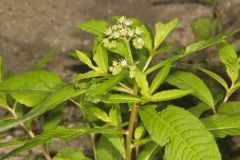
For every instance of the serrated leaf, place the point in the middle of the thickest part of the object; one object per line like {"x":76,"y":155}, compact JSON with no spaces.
{"x":215,"y":76}
{"x":189,"y":81}
{"x":103,"y":88}
{"x":101,"y":58}
{"x":60,"y":132}
{"x":182,"y":134}
{"x":32,"y":87}
{"x":203,"y":28}
{"x":149,"y":151}
{"x":192,"y":48}
{"x":223,"y":125}
{"x":90,"y":74}
{"x":106,"y":151}
{"x":84,"y":59}
{"x":229,"y":58}
{"x":162,"y":31}
{"x":95,"y":27}
{"x":229,"y":108}
{"x":121,"y":98}
{"x":199,"y":109}
{"x":39,"y":65}
{"x":121,"y":48}
{"x":169,"y":95}
{"x":68,"y":153}
{"x":141,"y":79}
{"x":159,"y":78}
{"x":99,"y":113}
{"x":50,"y":102}
{"x":146,"y":34}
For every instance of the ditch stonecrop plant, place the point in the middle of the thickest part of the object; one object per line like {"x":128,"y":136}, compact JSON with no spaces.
{"x":127,"y":115}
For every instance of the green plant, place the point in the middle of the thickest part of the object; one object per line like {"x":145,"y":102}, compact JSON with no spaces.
{"x":128,"y":115}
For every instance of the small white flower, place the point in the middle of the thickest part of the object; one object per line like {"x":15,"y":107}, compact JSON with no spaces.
{"x":128,"y":22}
{"x":138,"y":43}
{"x":108,"y":31}
{"x":114,"y":63}
{"x":123,"y":62}
{"x":130,"y":33}
{"x":121,"y":19}
{"x":138,"y":31}
{"x":116,"y":34}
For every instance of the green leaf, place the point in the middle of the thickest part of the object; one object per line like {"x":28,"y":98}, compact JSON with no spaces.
{"x":169,"y":95}
{"x":159,"y":78}
{"x":50,"y":102}
{"x":101,"y":58}
{"x":141,"y":79}
{"x":117,"y":141}
{"x":99,"y":113}
{"x":53,"y":118}
{"x":60,"y":132}
{"x":162,"y":31}
{"x":69,"y":153}
{"x":215,"y":76}
{"x":199,"y":109}
{"x":204,"y":28}
{"x":84,"y":59}
{"x":149,"y":151}
{"x":95,"y":27}
{"x":229,"y":58}
{"x":121,"y":98}
{"x":121,"y":48}
{"x":164,"y":48}
{"x":96,"y":95}
{"x":106,"y":151}
{"x":229,"y":108}
{"x":189,"y":81}
{"x":138,"y":132}
{"x":32,"y":87}
{"x":46,"y":58}
{"x":146,"y":34}
{"x":194,"y":47}
{"x":182,"y":134}
{"x":90,"y":74}
{"x":115,"y":115}
{"x":223,"y":125}
{"x":11,"y":143}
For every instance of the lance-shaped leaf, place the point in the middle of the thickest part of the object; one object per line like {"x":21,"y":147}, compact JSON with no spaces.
{"x":141,"y":79}
{"x":146,"y":34}
{"x":192,"y":48}
{"x":162,"y":31}
{"x":54,"y":99}
{"x":199,"y":109}
{"x":149,"y":151}
{"x":121,"y":98}
{"x":97,"y":92}
{"x":229,"y":58}
{"x":85,"y":59}
{"x":182,"y":134}
{"x":90,"y":74}
{"x":101,"y":58}
{"x":159,"y":78}
{"x":229,"y":108}
{"x":121,"y":48}
{"x":215,"y":76}
{"x":32,"y":87}
{"x":106,"y":150}
{"x":189,"y":81}
{"x":95,"y":27}
{"x":223,"y":125}
{"x":69,"y":153}
{"x":169,"y":95}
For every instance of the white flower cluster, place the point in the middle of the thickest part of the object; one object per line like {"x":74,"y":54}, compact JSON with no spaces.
{"x":123,"y":29}
{"x":117,"y":67}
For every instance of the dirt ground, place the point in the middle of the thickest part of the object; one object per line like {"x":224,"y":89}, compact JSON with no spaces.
{"x":29,"y":29}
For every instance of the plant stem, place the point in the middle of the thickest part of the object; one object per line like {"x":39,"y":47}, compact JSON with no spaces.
{"x":30,"y":134}
{"x":228,"y":94}
{"x":130,"y":132}
{"x":94,"y":146}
